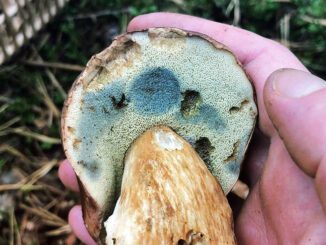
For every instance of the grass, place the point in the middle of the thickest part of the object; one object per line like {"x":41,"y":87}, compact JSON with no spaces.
{"x":33,"y":203}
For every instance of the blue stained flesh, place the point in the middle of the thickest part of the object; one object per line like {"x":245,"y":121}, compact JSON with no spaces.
{"x":155,"y":91}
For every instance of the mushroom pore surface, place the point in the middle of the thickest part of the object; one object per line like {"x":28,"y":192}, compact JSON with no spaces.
{"x":157,"y":77}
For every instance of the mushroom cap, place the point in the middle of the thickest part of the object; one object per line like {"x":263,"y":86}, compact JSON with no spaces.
{"x":160,"y":76}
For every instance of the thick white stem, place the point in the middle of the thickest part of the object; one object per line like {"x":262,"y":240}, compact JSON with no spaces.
{"x":168,"y":196}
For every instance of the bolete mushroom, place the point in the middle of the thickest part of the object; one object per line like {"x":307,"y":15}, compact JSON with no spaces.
{"x":154,"y":81}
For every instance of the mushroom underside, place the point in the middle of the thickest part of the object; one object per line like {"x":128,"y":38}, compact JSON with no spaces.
{"x":162,"y":76}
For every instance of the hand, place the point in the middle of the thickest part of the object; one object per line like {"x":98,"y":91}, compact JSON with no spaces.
{"x":286,"y":163}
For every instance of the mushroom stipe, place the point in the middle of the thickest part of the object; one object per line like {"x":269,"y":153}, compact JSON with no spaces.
{"x":161,"y":76}
{"x":168,"y":195}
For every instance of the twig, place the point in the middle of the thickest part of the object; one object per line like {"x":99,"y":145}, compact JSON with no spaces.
{"x":9,"y":123}
{"x":47,"y":100}
{"x":11,"y":224}
{"x":23,"y":224}
{"x":47,"y":217}
{"x":18,"y":172}
{"x":63,"y":230}
{"x":23,"y":131}
{"x":13,"y":151}
{"x":41,"y":172}
{"x":4,"y":99}
{"x":50,"y":75}
{"x":22,"y":187}
{"x":28,"y":182}
{"x":34,"y":200}
{"x":29,"y":187}
{"x":4,"y":107}
{"x":178,"y":2}
{"x":94,"y":16}
{"x":56,"y":83}
{"x":285,"y":29}
{"x":51,"y":204}
{"x":313,"y":20}
{"x":303,"y":46}
{"x":17,"y":232}
{"x":235,"y":6}
{"x":56,"y":65}
{"x":52,"y":188}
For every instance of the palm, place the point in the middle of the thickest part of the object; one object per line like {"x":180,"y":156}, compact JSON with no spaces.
{"x":283,"y":207}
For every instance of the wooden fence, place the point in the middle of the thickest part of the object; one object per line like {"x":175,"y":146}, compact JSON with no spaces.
{"x":20,"y":20}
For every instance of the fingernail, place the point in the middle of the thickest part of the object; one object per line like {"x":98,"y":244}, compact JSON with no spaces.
{"x":296,"y":84}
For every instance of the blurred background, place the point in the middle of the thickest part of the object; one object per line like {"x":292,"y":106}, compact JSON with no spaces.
{"x":35,"y":80}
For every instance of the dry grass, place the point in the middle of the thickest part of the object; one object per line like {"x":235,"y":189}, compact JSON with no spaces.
{"x":33,"y":203}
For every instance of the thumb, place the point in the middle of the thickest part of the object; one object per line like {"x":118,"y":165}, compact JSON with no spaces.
{"x":296,"y":104}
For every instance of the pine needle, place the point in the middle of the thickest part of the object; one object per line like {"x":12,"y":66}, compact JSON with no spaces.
{"x":28,"y":182}
{"x":9,"y":123}
{"x":46,"y":216}
{"x":24,"y":131}
{"x":47,"y":100}
{"x":63,"y":230}
{"x":14,"y":152}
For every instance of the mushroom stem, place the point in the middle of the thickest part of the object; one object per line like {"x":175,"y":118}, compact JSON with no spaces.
{"x":240,"y":189}
{"x":168,"y":196}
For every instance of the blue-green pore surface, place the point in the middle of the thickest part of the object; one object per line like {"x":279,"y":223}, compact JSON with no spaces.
{"x":195,"y":96}
{"x":154,"y":92}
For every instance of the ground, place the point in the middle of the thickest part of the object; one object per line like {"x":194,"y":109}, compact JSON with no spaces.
{"x":33,"y":203}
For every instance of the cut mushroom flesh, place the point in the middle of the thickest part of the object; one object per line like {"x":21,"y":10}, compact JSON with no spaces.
{"x":162,"y":76}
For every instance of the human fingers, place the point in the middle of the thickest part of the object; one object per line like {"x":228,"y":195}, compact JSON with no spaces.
{"x":284,"y":207}
{"x":226,"y":34}
{"x":259,"y":56}
{"x":67,"y":176}
{"x":296,"y":104}
{"x":77,"y":225}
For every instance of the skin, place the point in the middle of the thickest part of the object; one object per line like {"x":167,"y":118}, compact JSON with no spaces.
{"x":286,"y":163}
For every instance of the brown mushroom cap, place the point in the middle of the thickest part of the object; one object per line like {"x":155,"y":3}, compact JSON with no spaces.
{"x":161,"y":76}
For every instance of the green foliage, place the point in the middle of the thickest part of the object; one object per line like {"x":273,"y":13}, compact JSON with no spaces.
{"x":316,"y":8}
{"x":308,"y":30}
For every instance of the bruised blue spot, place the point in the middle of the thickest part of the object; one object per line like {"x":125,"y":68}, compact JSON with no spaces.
{"x":155,"y":91}
{"x":207,"y":115}
{"x":106,"y":102}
